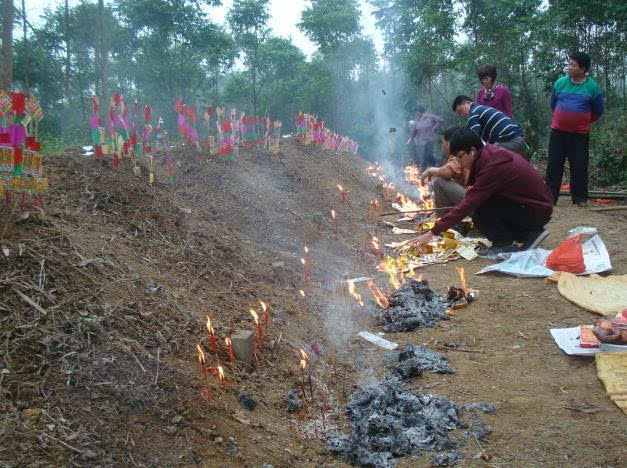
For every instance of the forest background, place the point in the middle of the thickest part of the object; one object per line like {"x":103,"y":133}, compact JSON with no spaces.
{"x":160,"y":50}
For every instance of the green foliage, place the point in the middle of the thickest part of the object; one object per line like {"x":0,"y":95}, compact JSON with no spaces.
{"x":330,"y":23}
{"x":608,"y":150}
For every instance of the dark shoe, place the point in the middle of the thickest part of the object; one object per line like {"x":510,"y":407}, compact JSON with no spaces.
{"x":494,"y":253}
{"x":582,"y":204}
{"x":534,"y":239}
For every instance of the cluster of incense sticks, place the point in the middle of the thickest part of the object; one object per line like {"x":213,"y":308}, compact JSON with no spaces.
{"x":305,"y":383}
{"x":216,"y":370}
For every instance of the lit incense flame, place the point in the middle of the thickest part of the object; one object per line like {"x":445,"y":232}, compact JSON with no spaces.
{"x":264,"y":307}
{"x":352,"y":292}
{"x":376,"y":244}
{"x":302,"y":293}
{"x":221,"y":374}
{"x":333,"y":214}
{"x":378,"y":295}
{"x":201,"y":355}
{"x":255,"y":316}
{"x":462,"y":278}
{"x":227,"y":342}
{"x":303,"y":354}
{"x":302,"y":260}
{"x":340,"y":187}
{"x":303,"y":364}
{"x":209,"y":327}
{"x":306,"y":250}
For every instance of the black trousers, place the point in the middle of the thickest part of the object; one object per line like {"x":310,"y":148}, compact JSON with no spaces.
{"x":574,"y":147}
{"x":504,"y":221}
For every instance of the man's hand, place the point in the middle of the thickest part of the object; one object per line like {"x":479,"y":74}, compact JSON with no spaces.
{"x":428,"y":173}
{"x":421,"y":239}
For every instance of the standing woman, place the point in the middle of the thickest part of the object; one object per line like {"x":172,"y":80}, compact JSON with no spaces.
{"x":494,"y":95}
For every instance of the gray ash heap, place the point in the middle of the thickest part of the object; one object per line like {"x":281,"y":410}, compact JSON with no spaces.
{"x":389,"y":421}
{"x":413,"y":305}
{"x":412,"y":360}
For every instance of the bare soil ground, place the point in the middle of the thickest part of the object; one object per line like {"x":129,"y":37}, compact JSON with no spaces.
{"x":102,"y":370}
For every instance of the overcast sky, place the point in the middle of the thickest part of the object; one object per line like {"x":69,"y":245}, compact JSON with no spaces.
{"x":284,"y":15}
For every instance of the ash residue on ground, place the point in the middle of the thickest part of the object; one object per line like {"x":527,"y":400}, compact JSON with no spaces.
{"x":412,"y":360}
{"x":389,"y":421}
{"x":412,"y":306}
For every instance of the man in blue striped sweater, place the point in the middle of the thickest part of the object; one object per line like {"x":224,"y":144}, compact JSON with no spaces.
{"x":492,"y":126}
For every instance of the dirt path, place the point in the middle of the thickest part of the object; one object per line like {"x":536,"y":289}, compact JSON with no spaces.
{"x":126,"y":274}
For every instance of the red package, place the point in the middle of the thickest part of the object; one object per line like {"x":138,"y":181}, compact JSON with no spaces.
{"x":587,"y":338}
{"x":568,"y":256}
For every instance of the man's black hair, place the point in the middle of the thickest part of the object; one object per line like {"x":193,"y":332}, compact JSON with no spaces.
{"x":487,"y":70}
{"x":582,"y":59}
{"x":420,"y":108}
{"x":459,"y":100}
{"x":449,"y":132}
{"x":464,"y":140}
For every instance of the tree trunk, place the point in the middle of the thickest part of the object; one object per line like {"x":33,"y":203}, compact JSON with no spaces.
{"x":6,"y":71}
{"x":25,"y":48}
{"x":66,"y":33}
{"x":101,"y":57}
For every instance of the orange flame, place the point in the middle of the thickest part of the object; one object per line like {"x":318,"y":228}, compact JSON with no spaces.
{"x":340,"y":188}
{"x":221,"y":373}
{"x":333,"y":214}
{"x":378,"y":295}
{"x":255,"y":316}
{"x":393,"y":275}
{"x":462,"y":278}
{"x":412,"y":174}
{"x":425,"y":196}
{"x":303,"y":354}
{"x":375,"y":243}
{"x":303,"y":364}
{"x":227,"y":342}
{"x":302,"y":293}
{"x":201,"y":355}
{"x":209,"y":327}
{"x":406,"y":203}
{"x":263,"y":305}
{"x":306,"y":250}
{"x":352,"y":292}
{"x":302,"y":260}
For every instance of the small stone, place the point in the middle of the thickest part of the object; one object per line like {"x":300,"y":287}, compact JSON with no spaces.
{"x":170,"y":430}
{"x":177,"y":419}
{"x":243,"y":342}
{"x":247,"y":402}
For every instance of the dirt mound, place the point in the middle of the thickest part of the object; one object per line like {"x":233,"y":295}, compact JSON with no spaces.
{"x":103,"y":300}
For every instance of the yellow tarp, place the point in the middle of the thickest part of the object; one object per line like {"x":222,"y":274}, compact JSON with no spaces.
{"x":612,"y":371}
{"x":601,"y":295}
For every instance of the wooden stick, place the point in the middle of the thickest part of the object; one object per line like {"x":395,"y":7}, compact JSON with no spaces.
{"x":424,"y":210}
{"x":610,"y":208}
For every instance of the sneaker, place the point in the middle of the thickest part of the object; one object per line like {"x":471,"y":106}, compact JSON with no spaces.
{"x":534,"y":239}
{"x":496,"y":253}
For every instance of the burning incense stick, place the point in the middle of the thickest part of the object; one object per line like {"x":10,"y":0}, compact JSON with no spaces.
{"x":203,"y":367}
{"x":229,"y":350}
{"x":266,"y":314}
{"x":335,"y":222}
{"x":343,"y":194}
{"x":213,"y":344}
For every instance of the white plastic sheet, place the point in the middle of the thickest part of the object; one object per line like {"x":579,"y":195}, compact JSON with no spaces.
{"x":532,"y":263}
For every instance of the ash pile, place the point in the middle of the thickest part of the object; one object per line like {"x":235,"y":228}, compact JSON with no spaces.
{"x":388,"y":422}
{"x":412,"y":360}
{"x":413,"y":305}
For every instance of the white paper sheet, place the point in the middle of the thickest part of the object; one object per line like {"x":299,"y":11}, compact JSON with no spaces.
{"x":374,"y":339}
{"x":532,"y":263}
{"x":568,"y":341}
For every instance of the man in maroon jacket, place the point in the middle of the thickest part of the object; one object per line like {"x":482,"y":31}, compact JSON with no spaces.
{"x":508,"y":200}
